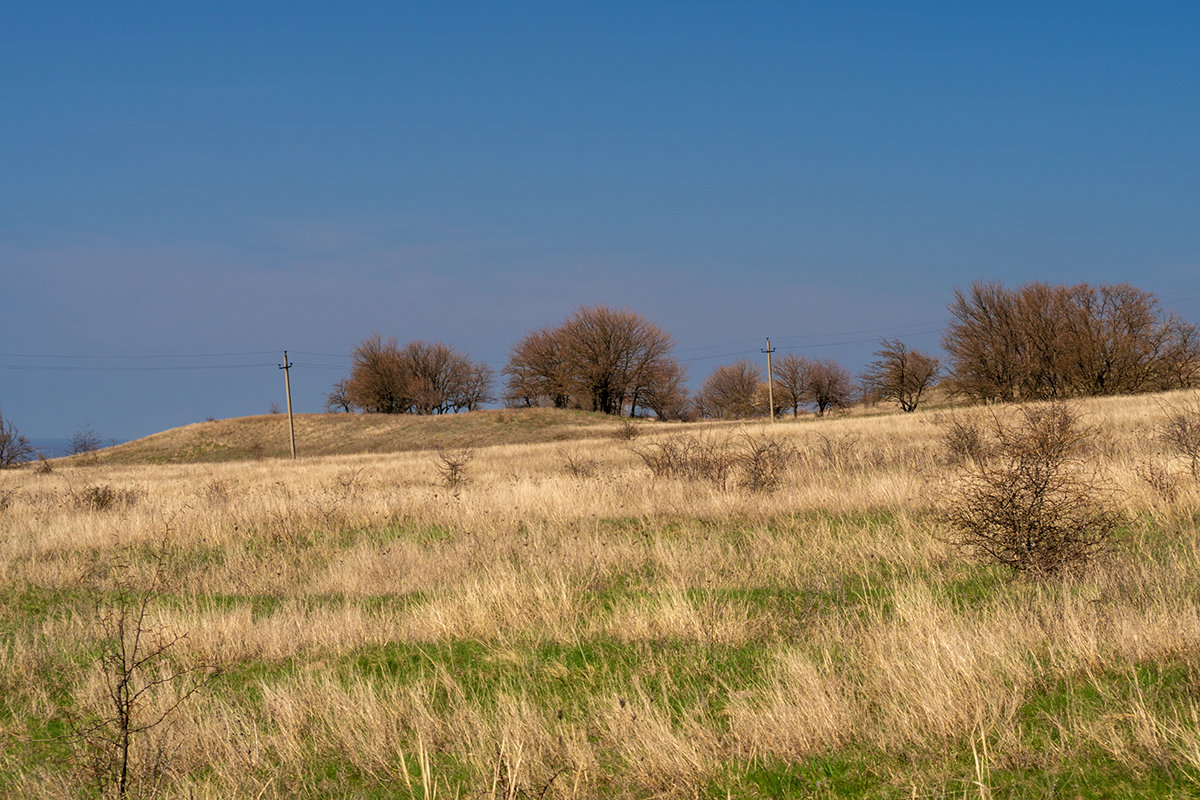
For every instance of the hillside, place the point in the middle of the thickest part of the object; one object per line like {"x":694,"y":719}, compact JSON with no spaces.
{"x":266,"y":436}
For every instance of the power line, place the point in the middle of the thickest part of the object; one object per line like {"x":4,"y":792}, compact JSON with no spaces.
{"x":78,"y":368}
{"x":146,"y":356}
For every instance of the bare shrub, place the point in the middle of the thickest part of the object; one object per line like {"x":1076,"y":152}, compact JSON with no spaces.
{"x":754,"y":464}
{"x":1164,"y":482}
{"x":627,"y":430}
{"x":963,"y":438}
{"x":1181,"y":434}
{"x":142,"y":683}
{"x":834,"y":453}
{"x":102,"y":497}
{"x":452,"y":467}
{"x":1036,"y":505}
{"x":763,"y":462}
{"x":578,"y":465}
{"x":689,"y":458}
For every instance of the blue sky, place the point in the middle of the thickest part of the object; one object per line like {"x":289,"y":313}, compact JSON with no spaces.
{"x":188,"y":189}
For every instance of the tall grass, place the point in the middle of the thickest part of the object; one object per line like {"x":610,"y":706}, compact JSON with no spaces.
{"x":548,"y":632}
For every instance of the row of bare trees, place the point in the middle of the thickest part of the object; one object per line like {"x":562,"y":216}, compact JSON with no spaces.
{"x":739,"y":390}
{"x":1038,"y":341}
{"x":616,"y":362}
{"x":1042,"y":342}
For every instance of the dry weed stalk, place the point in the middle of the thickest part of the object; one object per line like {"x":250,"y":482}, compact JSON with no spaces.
{"x":142,"y":685}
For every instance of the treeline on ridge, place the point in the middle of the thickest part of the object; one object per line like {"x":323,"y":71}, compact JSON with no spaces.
{"x":1037,"y":341}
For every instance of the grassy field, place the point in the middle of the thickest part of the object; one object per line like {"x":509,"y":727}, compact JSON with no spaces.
{"x":564,"y":624}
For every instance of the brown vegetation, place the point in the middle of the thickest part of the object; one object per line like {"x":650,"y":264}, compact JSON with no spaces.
{"x":420,"y":378}
{"x":731,"y":391}
{"x":1042,"y":341}
{"x":900,"y":374}
{"x":600,"y":359}
{"x":1034,"y":502}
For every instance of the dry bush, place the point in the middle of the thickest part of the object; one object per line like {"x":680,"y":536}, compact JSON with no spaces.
{"x":763,"y":462}
{"x":579,"y":465}
{"x":1162,"y":481}
{"x":689,"y":458}
{"x":757,"y":464}
{"x":1181,"y":433}
{"x":119,"y":720}
{"x":1037,"y":505}
{"x":452,"y":467}
{"x":627,"y":430}
{"x":963,"y":438}
{"x":102,"y":497}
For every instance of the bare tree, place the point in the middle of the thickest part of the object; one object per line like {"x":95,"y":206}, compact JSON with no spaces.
{"x":791,"y":380}
{"x":475,"y":388}
{"x":420,"y":378}
{"x":900,"y":374}
{"x":666,"y":393}
{"x":729,"y":392}
{"x":829,"y":385}
{"x":14,"y":448}
{"x":85,"y":440}
{"x":1043,"y":341}
{"x":536,"y":371}
{"x":377,"y":383}
{"x":613,"y":356}
{"x":600,"y":358}
{"x":983,"y":341}
{"x":338,"y":398}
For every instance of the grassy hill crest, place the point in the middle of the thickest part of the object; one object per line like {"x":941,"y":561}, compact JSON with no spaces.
{"x":266,"y":436}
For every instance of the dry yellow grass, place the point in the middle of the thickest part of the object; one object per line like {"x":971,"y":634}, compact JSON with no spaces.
{"x":605,"y":635}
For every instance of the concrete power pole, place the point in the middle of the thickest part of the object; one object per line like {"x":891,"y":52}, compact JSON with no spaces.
{"x":770,"y":380}
{"x":286,"y":366}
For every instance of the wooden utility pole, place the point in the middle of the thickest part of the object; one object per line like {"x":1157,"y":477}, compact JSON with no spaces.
{"x":287,"y":385}
{"x":770,"y":380}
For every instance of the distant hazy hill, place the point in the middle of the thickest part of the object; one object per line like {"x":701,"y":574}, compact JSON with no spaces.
{"x":328,"y":434}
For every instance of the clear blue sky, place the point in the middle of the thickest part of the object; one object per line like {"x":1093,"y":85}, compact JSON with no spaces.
{"x":189,"y":185}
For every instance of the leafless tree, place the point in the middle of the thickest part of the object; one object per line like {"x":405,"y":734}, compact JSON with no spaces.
{"x":475,"y":389}
{"x":14,"y":447}
{"x":1043,"y":341}
{"x":600,"y":358}
{"x":536,"y":371}
{"x":420,"y":378}
{"x":791,"y":379}
{"x":666,"y":392}
{"x":85,"y":440}
{"x":338,"y":398}
{"x":729,"y":392}
{"x":900,"y":374}
{"x":613,"y":356}
{"x":829,"y":385}
{"x":983,"y":342}
{"x":377,"y":383}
